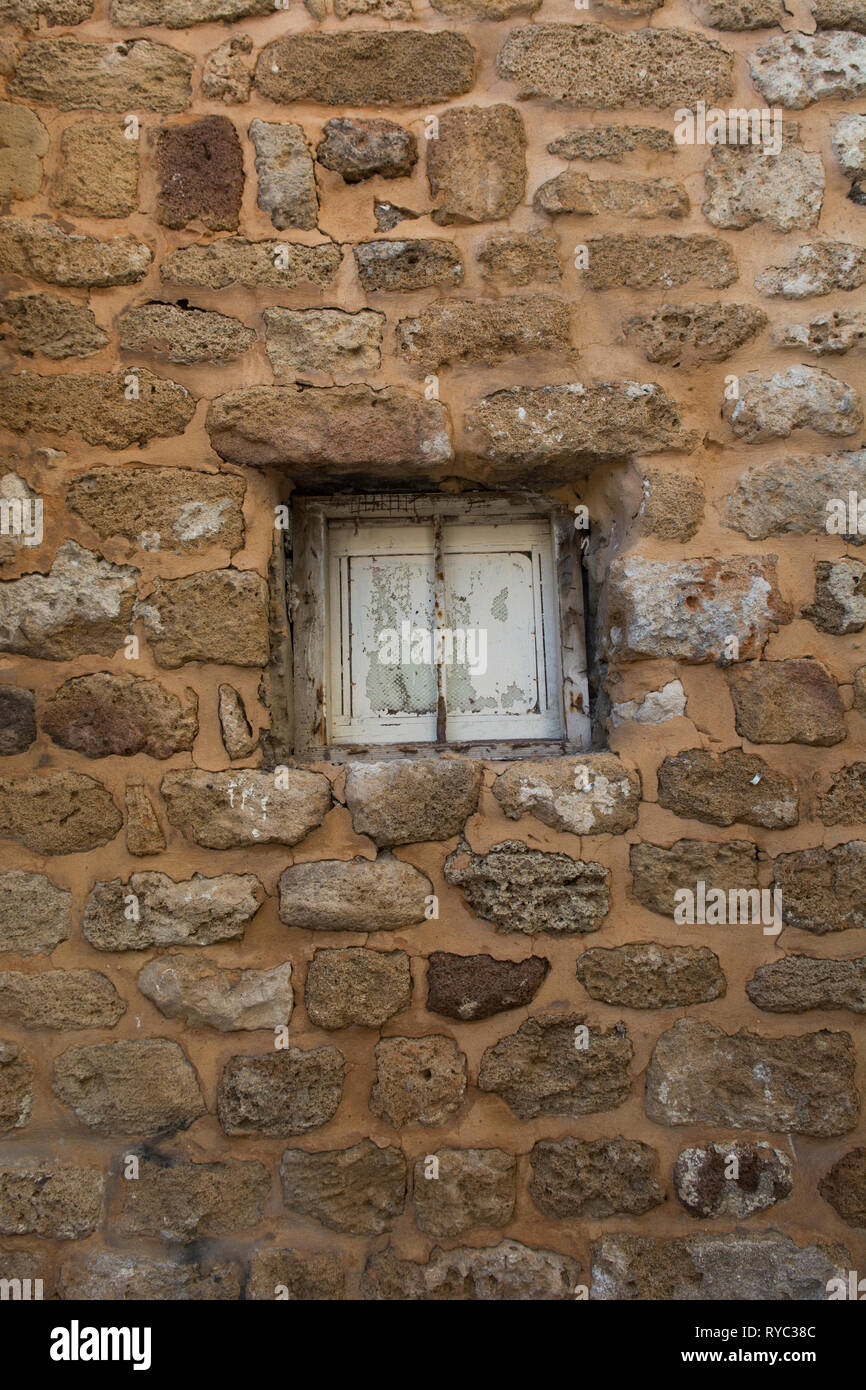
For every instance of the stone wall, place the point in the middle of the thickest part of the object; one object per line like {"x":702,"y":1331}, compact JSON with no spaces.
{"x":238,"y":244}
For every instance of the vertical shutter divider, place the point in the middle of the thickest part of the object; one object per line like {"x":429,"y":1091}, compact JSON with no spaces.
{"x":439,"y":619}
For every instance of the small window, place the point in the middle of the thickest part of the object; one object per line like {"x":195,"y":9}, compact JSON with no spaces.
{"x":437,"y":621}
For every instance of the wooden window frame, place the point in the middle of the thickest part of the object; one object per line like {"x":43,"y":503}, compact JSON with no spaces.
{"x":308,"y":583}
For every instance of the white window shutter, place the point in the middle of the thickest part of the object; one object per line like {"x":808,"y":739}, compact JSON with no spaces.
{"x":489,"y":623}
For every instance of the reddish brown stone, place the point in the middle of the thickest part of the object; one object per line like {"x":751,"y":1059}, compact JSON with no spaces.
{"x":472,"y":987}
{"x":200,"y":169}
{"x":104,"y":715}
{"x":844,"y":1187}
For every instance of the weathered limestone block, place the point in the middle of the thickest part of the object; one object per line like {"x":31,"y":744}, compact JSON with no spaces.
{"x":98,"y":173}
{"x":407,"y":800}
{"x":659,"y":262}
{"x":645,"y":975}
{"x":60,"y":999}
{"x":727,"y":788}
{"x":100,"y":1276}
{"x":61,"y":1201}
{"x":709,"y":1184}
{"x":145,"y":1086}
{"x":797,"y":983}
{"x":27,"y":12}
{"x":308,"y":1278}
{"x":845,"y":801}
{"x":580,"y":196}
{"x":230,"y":810}
{"x":133,"y":75}
{"x":418,"y":1080}
{"x":476,"y":166}
{"x":407,"y":265}
{"x":179,"y":14}
{"x":184,"y":334}
{"x":611,"y":142}
{"x":363,"y":895}
{"x":57,"y":812}
{"x":740,"y":14}
{"x":800,"y":398}
{"x":144,"y":833}
{"x":388,"y":215}
{"x":196,"y":911}
{"x":689,"y":609}
{"x":183,"y":1201}
{"x":42,"y":251}
{"x":823,"y":890}
{"x":14,"y":493}
{"x":672,"y":508}
{"x":790,"y":495}
{"x":16,"y":1087}
{"x":794,"y":701}
{"x":794,"y":70}
{"x":174,"y":509}
{"x":237,"y":735}
{"x":844,"y":1187}
{"x":215,"y":615}
{"x":253,"y":264}
{"x":556,"y":1064}
{"x":594,"y":794}
{"x":367,"y":68}
{"x":839,"y":605}
{"x":510,"y":1272}
{"x":594,"y":1177}
{"x":747,"y":185}
{"x":684,"y":334}
{"x":206,"y":995}
{"x":566,"y":431}
{"x":518,"y":258}
{"x":83,"y":605}
{"x":99,"y":406}
{"x":828,"y":333}
{"x":225,"y":76}
{"x":281,"y":1093}
{"x":839,"y":14}
{"x":485,"y":9}
{"x":287,"y":181}
{"x":803,"y":1084}
{"x":656,"y":707}
{"x":471,"y":1188}
{"x":657,"y":872}
{"x":464,"y":330}
{"x":358,"y":1190}
{"x":593,"y":66}
{"x":345,"y":433}
{"x":848,"y":136}
{"x":815,"y":268}
{"x":385,"y":9}
{"x":358,"y":149}
{"x":751,"y":1266}
{"x":23,"y":143}
{"x":104,"y":715}
{"x":53,"y":326}
{"x":323,"y":340}
{"x":473,"y":987}
{"x":34,"y":913}
{"x":354,"y":987}
{"x":526,"y":890}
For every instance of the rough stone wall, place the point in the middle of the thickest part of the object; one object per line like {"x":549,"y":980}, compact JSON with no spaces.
{"x":202,"y":309}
